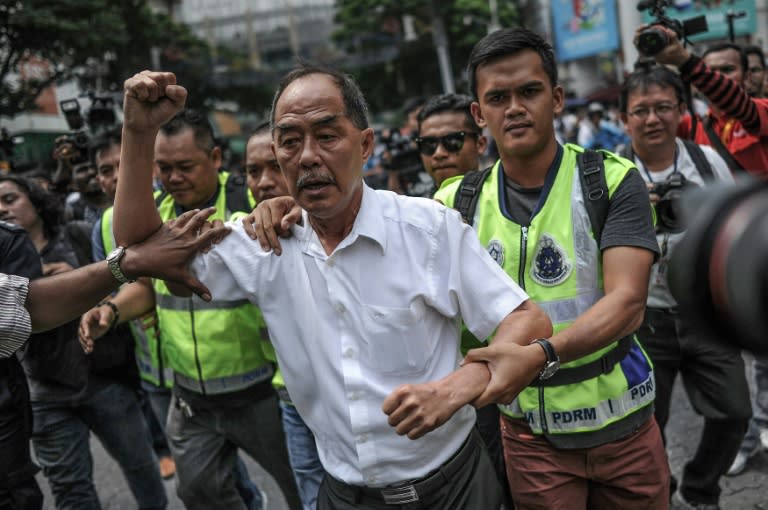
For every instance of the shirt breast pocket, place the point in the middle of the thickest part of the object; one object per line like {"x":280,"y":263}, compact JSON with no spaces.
{"x":397,"y":339}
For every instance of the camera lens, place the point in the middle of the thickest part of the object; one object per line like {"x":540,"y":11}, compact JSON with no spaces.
{"x":651,"y":41}
{"x":719,"y":271}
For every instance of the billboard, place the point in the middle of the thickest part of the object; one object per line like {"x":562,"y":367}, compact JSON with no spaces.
{"x":584,"y":27}
{"x":716,"y":12}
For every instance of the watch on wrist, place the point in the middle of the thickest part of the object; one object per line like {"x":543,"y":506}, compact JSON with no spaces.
{"x":113,"y":261}
{"x":552,"y":365}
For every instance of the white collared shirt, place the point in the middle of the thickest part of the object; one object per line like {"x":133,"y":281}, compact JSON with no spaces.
{"x":382,"y":310}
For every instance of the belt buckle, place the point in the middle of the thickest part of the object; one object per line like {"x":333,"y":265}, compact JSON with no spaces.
{"x":399,"y":495}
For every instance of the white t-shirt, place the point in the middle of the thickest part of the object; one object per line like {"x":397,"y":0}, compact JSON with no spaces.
{"x":382,"y":310}
{"x":659,"y":295}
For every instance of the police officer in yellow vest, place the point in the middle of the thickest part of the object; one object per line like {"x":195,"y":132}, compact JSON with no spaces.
{"x":222,"y":394}
{"x":582,"y":436}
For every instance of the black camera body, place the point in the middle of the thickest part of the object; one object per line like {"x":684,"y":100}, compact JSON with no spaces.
{"x":99,"y":118}
{"x":404,"y":158}
{"x":652,"y":40}
{"x":668,"y":207}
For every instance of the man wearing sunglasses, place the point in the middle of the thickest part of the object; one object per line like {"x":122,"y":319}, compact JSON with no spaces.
{"x":449,"y":141}
{"x":736,"y":125}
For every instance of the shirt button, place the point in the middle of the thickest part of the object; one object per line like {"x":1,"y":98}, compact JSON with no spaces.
{"x":330,"y":262}
{"x":363,"y":438}
{"x":340,"y":308}
{"x":371,"y":479}
{"x":349,"y":352}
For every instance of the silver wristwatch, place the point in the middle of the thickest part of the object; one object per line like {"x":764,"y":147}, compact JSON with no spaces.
{"x":113,"y":260}
{"x":552,"y":364}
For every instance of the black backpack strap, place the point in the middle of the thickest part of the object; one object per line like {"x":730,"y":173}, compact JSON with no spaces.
{"x":465,"y":200}
{"x":595,"y":189}
{"x":717,"y":144}
{"x":700,"y":160}
{"x":237,"y":194}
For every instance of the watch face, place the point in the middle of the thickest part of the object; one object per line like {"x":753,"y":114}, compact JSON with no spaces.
{"x":549,"y":369}
{"x":115,"y":253}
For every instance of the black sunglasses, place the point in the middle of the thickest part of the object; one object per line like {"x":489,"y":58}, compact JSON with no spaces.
{"x":453,"y":142}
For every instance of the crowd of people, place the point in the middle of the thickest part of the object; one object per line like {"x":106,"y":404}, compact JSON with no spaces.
{"x":512,"y":343}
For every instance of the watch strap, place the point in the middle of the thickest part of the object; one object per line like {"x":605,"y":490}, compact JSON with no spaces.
{"x":549,"y":350}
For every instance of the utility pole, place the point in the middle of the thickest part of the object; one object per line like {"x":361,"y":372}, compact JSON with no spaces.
{"x":440,"y":40}
{"x":494,"y":25}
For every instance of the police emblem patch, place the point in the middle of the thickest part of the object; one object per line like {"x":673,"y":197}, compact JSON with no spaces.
{"x":550,"y":266}
{"x":496,"y":251}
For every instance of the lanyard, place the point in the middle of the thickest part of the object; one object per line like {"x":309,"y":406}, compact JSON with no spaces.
{"x":648,"y":174}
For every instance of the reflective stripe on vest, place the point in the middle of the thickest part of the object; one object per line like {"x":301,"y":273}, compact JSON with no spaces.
{"x":568,"y":310}
{"x":184,"y":304}
{"x":589,"y":418}
{"x":226,"y":384}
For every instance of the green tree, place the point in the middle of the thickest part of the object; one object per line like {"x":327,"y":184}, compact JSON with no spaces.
{"x":372,"y":29}
{"x":74,"y":34}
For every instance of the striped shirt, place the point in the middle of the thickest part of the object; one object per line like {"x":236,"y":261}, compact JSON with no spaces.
{"x":741,"y":123}
{"x":15,"y":323}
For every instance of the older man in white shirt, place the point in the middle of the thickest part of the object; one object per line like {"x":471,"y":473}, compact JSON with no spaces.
{"x":363,"y":305}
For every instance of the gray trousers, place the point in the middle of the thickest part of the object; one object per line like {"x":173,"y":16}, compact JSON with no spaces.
{"x":472,"y":486}
{"x":205,"y":445}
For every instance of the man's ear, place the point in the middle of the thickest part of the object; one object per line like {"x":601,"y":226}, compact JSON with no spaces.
{"x":558,"y":97}
{"x":482,"y":144}
{"x":368,"y":143}
{"x":216,"y":157}
{"x":477,"y":114}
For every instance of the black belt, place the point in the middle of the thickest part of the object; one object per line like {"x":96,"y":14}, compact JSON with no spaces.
{"x":413,"y":490}
{"x":600,"y":366}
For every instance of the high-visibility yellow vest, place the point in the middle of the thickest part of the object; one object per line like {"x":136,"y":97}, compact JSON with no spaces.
{"x":557,"y":261}
{"x":213,"y":347}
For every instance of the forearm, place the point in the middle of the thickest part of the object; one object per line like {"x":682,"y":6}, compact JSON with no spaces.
{"x":134,"y":300}
{"x":525,"y":324}
{"x":463,"y":386}
{"x":57,"y":299}
{"x":725,"y":94}
{"x":135,"y":215}
{"x":614,"y":316}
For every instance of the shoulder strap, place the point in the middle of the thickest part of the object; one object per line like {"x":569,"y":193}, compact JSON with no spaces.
{"x":237,"y":194}
{"x":700,"y":160}
{"x":595,"y":188}
{"x":717,"y":144}
{"x":468,"y":193}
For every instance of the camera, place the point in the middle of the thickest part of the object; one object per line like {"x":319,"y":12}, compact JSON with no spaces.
{"x":668,"y":206}
{"x":719,"y":271}
{"x":404,"y":159}
{"x":652,"y":40}
{"x":99,"y":118}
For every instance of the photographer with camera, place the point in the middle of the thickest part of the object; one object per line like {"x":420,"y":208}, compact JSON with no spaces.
{"x":652,"y":107}
{"x":401,"y":160}
{"x":737,"y":125}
